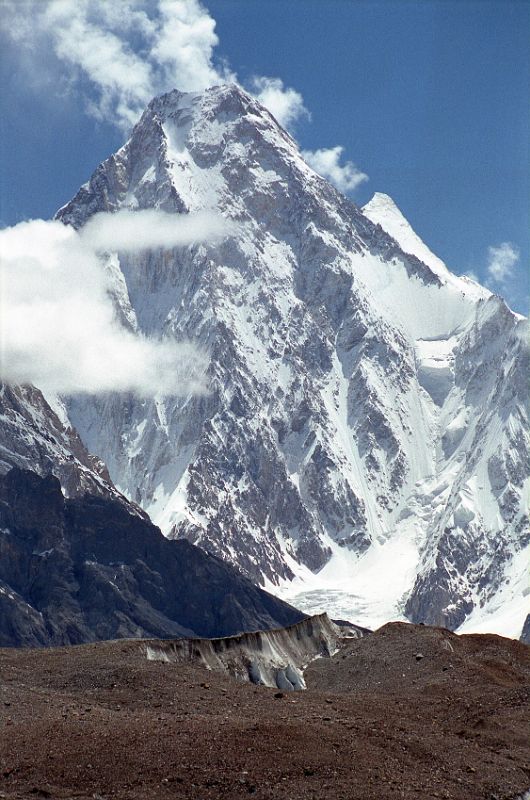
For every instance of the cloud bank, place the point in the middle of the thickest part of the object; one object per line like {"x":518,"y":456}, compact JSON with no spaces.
{"x":121,"y":53}
{"x":58,"y":326}
{"x":128,"y":50}
{"x":132,"y":50}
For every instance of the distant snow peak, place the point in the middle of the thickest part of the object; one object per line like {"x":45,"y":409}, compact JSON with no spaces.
{"x":383,"y":211}
{"x":382,"y":201}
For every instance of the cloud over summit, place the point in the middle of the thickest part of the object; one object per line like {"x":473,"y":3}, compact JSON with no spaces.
{"x":326,"y":161}
{"x":121,"y":53}
{"x":131,"y":50}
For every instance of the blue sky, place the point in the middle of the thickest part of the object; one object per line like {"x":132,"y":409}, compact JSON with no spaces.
{"x":429,"y":99}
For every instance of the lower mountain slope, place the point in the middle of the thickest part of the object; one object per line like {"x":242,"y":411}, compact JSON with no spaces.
{"x":86,"y":568}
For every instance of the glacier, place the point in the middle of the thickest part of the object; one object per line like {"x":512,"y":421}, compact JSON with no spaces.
{"x":363,"y":448}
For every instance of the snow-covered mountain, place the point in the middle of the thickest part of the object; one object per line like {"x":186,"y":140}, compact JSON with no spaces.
{"x":364,"y":445}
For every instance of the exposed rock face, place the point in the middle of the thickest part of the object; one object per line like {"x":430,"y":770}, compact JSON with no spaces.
{"x":33,"y":436}
{"x":84,"y":569}
{"x":525,"y":635}
{"x":364,"y":401}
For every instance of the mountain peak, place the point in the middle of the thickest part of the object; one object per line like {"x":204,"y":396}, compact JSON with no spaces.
{"x":191,"y":151}
{"x":380,"y":200}
{"x":204,"y":150}
{"x":383,"y":211}
{"x":214,"y":97}
{"x":356,"y":392}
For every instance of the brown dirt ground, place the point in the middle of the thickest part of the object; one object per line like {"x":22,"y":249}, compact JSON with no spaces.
{"x":100,"y":721}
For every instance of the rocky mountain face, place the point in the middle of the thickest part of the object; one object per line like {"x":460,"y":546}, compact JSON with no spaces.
{"x":364,"y":444}
{"x":82,"y":569}
{"x":34,"y":436}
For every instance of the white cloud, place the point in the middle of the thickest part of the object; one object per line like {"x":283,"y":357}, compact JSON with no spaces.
{"x":131,"y":50}
{"x":502,"y":259}
{"x":128,"y":50}
{"x":59,"y":329}
{"x":141,"y":230}
{"x":326,"y":161}
{"x":183,"y":46}
{"x":284,"y":103}
{"x":121,"y":53}
{"x":87,"y":36}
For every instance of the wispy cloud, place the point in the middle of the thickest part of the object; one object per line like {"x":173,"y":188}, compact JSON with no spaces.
{"x":127,"y":53}
{"x":130,"y":231}
{"x":284,"y":103}
{"x":131,"y":50}
{"x":119,"y":54}
{"x":326,"y":161}
{"x":59,"y":329}
{"x":502,"y":260}
{"x":183,"y":46}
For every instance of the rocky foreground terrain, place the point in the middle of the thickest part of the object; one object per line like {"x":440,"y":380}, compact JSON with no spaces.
{"x":408,"y":712}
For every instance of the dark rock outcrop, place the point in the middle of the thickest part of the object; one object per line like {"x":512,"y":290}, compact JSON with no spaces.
{"x":85,"y":569}
{"x":525,"y":635}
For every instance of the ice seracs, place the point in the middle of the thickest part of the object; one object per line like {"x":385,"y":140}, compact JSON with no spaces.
{"x":364,"y":442}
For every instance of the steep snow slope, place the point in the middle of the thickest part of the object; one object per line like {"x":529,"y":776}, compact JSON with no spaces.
{"x":382,"y":210}
{"x":364,"y":445}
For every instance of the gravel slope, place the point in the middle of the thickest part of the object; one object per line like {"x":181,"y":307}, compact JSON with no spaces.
{"x":100,"y":721}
